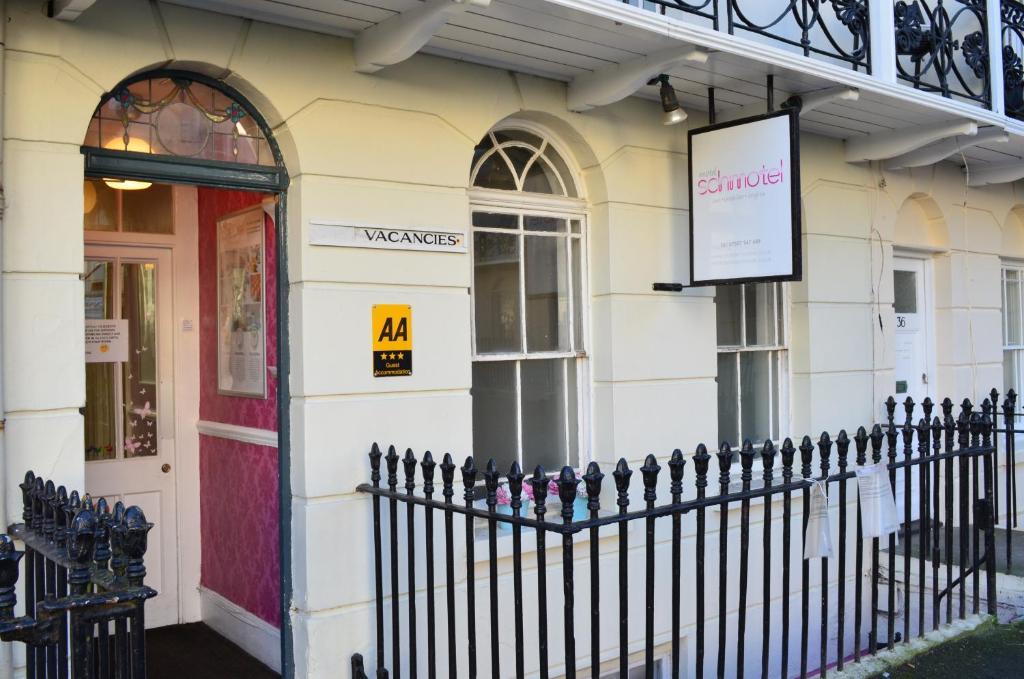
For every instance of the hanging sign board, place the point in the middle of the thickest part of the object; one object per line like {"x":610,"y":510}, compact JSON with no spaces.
{"x":745,"y":200}
{"x":106,"y":341}
{"x":385,"y":237}
{"x":392,"y":340}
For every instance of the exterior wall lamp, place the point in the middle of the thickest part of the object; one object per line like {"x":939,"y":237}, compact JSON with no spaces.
{"x":673,"y":112}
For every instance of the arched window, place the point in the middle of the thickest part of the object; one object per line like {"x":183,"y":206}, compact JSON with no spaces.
{"x":178,"y":116}
{"x":529,"y":302}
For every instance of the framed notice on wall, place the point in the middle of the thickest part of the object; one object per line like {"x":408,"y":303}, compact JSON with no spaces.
{"x":241,"y":311}
{"x":745,"y":200}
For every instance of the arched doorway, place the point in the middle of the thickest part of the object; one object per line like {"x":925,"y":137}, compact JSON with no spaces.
{"x":186,"y":353}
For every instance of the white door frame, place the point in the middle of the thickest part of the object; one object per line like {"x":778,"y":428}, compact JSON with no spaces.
{"x":184,"y":246}
{"x":927,"y":287}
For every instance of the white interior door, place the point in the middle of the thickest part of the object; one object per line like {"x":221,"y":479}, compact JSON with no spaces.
{"x":912,"y":305}
{"x":129,"y":412}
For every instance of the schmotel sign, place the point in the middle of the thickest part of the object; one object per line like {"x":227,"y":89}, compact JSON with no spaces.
{"x":339,"y":234}
{"x":392,"y":340}
{"x":745,"y":200}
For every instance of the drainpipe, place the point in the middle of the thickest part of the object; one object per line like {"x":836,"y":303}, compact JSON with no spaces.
{"x":6,"y":661}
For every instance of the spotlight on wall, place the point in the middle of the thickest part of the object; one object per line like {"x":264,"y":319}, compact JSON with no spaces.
{"x":673,"y":112}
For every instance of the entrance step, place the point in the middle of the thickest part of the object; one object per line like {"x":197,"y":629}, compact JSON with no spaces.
{"x":197,"y":652}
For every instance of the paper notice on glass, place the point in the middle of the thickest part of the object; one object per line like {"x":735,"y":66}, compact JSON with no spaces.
{"x":818,"y":538}
{"x":877,"y":506}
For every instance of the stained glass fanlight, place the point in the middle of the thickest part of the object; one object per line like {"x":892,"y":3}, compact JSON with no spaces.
{"x":172,"y":116}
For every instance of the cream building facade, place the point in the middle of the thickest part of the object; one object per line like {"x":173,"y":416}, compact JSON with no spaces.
{"x":396,"y":149}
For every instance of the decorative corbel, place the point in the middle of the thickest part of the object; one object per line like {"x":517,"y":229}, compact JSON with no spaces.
{"x":399,"y":37}
{"x":619,"y":81}
{"x":995,"y":173}
{"x":812,"y":100}
{"x":68,"y":10}
{"x":939,"y":151}
{"x":883,"y":145}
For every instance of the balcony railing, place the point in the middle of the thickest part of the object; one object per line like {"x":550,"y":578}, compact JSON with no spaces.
{"x":939,"y":46}
{"x":1013,"y":50}
{"x":834,"y":29}
{"x":942,"y":46}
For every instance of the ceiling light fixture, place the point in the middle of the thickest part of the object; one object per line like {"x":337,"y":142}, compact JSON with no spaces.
{"x":135,"y":145}
{"x":673,"y":112}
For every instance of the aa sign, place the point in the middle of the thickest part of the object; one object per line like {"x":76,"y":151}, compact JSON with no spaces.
{"x":392,"y":340}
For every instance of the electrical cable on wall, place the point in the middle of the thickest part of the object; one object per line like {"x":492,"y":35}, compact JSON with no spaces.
{"x":966,"y":270}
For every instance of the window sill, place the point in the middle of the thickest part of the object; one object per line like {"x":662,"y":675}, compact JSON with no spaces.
{"x":504,"y":538}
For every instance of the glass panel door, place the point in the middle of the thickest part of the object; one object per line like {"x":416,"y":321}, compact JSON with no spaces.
{"x":121,"y":396}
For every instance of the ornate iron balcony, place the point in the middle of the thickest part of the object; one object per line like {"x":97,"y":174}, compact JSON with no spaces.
{"x":833,"y":29}
{"x":1013,"y":50}
{"x":942,"y":46}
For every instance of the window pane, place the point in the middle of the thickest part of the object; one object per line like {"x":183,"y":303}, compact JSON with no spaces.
{"x":547,"y":301}
{"x":761,"y":314}
{"x":577,"y":294}
{"x":138,"y":306}
{"x":1010,"y":371}
{"x":563,"y":170}
{"x":496,"y":292}
{"x":495,"y":174}
{"x":541,"y":178}
{"x":495,"y":220}
{"x":550,"y":224}
{"x":519,"y":157}
{"x":100,"y":397}
{"x":149,"y":210}
{"x":728,"y":399}
{"x":100,"y":423}
{"x":100,"y":206}
{"x":543,"y":404}
{"x":905,"y":292}
{"x":1012,"y":312}
{"x":572,"y":392}
{"x":754,"y":395}
{"x":494,"y":412}
{"x":728,"y":306}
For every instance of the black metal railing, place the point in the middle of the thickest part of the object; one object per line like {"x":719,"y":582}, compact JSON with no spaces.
{"x":1012,"y":19}
{"x":837,"y":29}
{"x":1004,"y":501}
{"x":942,"y":46}
{"x":83,"y":585}
{"x":950,"y":469}
{"x":706,"y":9}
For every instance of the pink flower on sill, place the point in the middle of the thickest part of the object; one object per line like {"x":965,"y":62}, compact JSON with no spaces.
{"x":528,"y":491}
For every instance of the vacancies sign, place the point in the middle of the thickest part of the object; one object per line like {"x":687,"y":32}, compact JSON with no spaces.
{"x":745,"y":200}
{"x":385,"y":237}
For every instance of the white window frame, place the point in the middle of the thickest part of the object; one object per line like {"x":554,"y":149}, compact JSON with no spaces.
{"x":1018,"y":348}
{"x":781,"y":357}
{"x":560,"y":207}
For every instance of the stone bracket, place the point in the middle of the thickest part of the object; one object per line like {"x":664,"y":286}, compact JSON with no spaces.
{"x":883,"y":145}
{"x":619,"y":81}
{"x":399,"y":37}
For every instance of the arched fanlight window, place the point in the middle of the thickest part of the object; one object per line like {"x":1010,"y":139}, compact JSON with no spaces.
{"x":178,"y":116}
{"x":517,"y":160}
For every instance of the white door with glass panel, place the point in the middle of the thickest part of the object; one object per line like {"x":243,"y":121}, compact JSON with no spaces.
{"x":912,"y":306}
{"x":129,"y":411}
